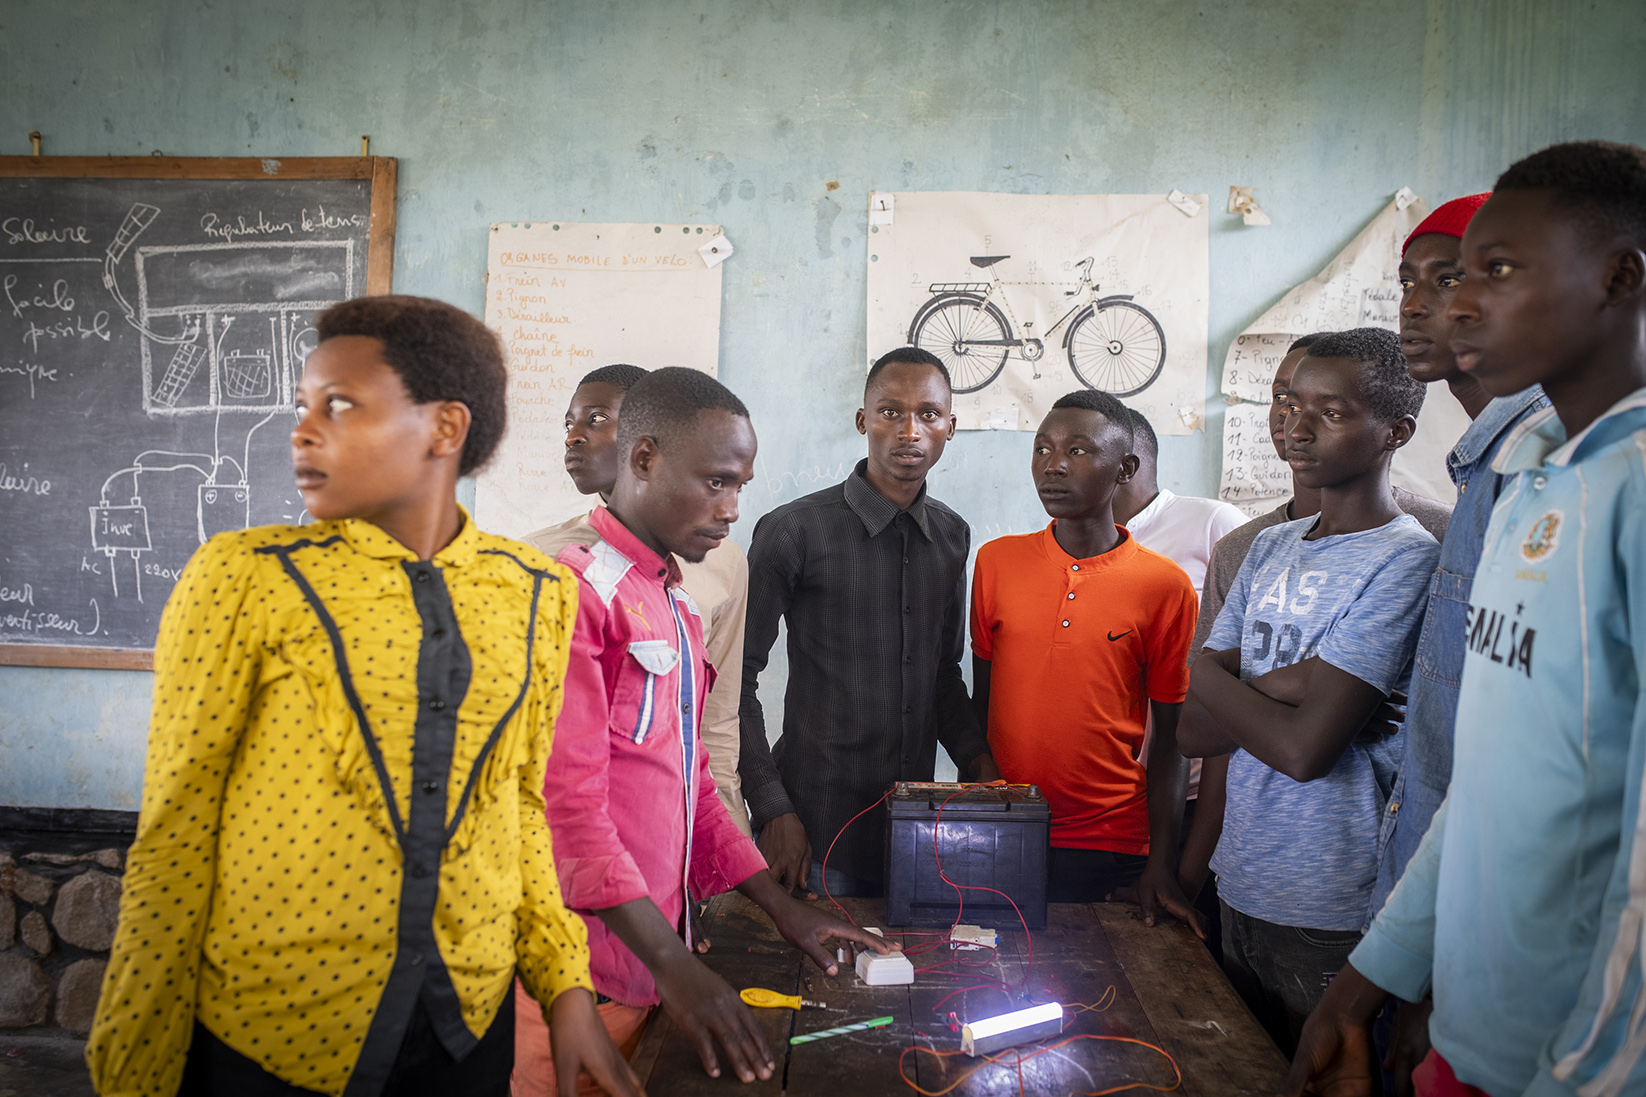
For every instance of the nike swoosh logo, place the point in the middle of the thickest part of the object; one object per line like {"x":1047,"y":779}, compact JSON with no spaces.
{"x":1112,"y":636}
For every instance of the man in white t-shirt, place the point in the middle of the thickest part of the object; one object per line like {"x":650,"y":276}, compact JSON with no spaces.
{"x":1182,"y":528}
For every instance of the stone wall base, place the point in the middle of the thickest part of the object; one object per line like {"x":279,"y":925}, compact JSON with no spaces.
{"x":60,"y":876}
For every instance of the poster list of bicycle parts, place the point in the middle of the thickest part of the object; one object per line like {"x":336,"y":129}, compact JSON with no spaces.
{"x":1359,"y":287}
{"x":1027,"y":297}
{"x":567,"y":297}
{"x":152,"y":332}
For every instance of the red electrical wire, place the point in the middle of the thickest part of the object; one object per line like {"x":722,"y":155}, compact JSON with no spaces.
{"x":937,"y":858}
{"x":1103,"y":1002}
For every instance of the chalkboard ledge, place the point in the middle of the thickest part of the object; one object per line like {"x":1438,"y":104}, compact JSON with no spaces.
{"x":40,"y":655}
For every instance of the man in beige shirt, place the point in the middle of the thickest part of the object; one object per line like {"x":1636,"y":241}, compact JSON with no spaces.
{"x":719,"y":585}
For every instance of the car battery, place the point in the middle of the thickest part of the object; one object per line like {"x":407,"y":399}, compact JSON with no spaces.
{"x":989,"y":836}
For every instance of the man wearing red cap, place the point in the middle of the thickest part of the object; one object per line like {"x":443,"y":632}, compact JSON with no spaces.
{"x":1431,"y":269}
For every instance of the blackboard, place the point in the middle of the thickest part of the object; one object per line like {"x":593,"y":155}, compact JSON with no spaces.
{"x":154,"y":317}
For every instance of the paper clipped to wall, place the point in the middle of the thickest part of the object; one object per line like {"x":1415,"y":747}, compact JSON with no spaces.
{"x":1027,"y":297}
{"x":567,"y":298}
{"x":1360,"y":287}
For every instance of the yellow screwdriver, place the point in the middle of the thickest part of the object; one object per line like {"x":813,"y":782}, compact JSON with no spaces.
{"x":761,"y":998}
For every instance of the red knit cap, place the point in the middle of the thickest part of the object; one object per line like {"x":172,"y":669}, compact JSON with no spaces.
{"x":1448,"y":219}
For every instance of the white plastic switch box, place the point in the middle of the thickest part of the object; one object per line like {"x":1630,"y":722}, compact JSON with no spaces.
{"x":884,"y":971}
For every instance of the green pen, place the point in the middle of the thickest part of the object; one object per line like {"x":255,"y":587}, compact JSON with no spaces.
{"x":878,"y":1022}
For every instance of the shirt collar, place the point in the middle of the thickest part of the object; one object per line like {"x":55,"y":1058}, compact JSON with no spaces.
{"x":1540,"y":439}
{"x":370,"y":540}
{"x":1123,"y":550}
{"x":874,"y":510}
{"x":661,"y":568}
{"x":1496,"y":418}
{"x":1163,"y":499}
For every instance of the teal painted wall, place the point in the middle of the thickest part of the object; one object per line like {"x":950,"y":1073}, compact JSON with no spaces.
{"x":743,"y":112}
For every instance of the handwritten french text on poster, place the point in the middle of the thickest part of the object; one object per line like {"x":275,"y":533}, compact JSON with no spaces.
{"x":567,"y":298}
{"x":1360,"y":287}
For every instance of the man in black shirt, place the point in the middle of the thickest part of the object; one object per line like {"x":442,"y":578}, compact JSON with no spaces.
{"x":871,"y":576}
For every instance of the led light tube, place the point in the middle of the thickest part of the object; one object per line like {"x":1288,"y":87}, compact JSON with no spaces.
{"x":1010,"y":1029}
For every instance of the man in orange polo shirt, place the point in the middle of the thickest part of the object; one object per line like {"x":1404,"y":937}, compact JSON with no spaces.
{"x":1077,"y":633}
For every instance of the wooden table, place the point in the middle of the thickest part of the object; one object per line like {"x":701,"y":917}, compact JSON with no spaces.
{"x":1167,"y":992}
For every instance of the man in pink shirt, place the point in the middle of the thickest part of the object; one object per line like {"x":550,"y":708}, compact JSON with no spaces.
{"x":638,"y":827}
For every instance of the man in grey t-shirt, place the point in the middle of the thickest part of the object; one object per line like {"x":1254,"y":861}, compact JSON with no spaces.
{"x":1319,"y":628}
{"x":1203,"y":824}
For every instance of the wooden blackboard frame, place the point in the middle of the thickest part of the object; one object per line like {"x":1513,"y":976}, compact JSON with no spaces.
{"x":383,"y":173}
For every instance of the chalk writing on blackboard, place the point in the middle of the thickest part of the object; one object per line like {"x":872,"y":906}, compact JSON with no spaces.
{"x":152,"y":332}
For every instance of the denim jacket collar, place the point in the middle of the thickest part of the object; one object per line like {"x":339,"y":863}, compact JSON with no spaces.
{"x":1483,"y":433}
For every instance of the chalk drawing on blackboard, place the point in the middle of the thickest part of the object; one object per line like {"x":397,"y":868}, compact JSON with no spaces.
{"x":206,"y":288}
{"x":222,"y":501}
{"x":235,"y":352}
{"x":255,"y":343}
{"x":1112,"y":343}
{"x":139,"y":217}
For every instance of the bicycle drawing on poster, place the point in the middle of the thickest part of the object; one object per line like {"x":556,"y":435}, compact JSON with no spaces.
{"x":1025,"y":297}
{"x":1112,"y":343}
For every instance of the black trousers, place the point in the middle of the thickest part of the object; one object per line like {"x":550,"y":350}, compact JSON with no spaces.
{"x":1281,"y":972}
{"x":1089,"y":875}
{"x":423,"y":1069}
{"x":1206,"y":903}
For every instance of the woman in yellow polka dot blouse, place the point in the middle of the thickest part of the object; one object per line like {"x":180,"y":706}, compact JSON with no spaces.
{"x":342,"y":860}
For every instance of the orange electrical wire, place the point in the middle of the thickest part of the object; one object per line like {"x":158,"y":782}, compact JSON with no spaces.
{"x":1104,"y":1001}
{"x":1020,"y":1059}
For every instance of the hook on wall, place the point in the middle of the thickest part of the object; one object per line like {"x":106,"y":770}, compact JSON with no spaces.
{"x":34,"y":142}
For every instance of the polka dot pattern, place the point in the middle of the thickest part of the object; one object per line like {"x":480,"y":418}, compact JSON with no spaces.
{"x":263,"y":891}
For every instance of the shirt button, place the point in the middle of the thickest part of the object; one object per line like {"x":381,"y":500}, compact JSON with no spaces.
{"x":1074,"y":567}
{"x":908,"y":659}
{"x":422,"y":577}
{"x":1065,"y":624}
{"x":436,"y":704}
{"x":908,"y":609}
{"x":1540,"y":482}
{"x":419,"y":871}
{"x":907,"y":709}
{"x":1071,"y":596}
{"x":431,"y":786}
{"x":416,"y":958}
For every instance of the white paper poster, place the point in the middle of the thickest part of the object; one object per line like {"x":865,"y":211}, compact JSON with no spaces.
{"x":567,"y":298}
{"x":1027,"y":297}
{"x":1360,"y":287}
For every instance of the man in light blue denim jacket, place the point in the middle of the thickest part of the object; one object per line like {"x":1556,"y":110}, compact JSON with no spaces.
{"x":1431,"y":268}
{"x":1524,"y":904}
